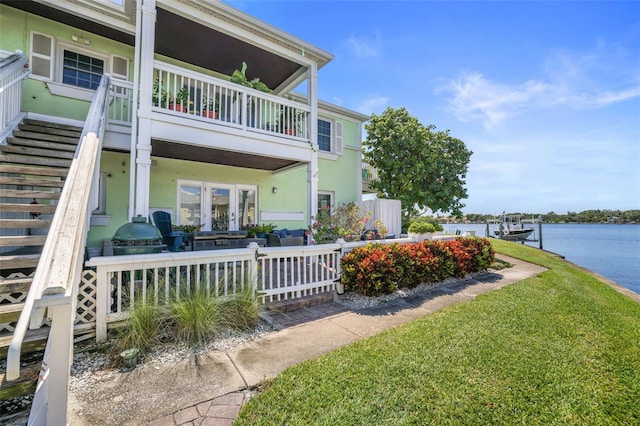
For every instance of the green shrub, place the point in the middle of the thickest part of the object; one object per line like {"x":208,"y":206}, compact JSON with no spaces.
{"x":424,"y":219}
{"x":377,"y":269}
{"x":240,"y":311}
{"x":421,"y":228}
{"x":196,"y":316}
{"x":143,"y":329}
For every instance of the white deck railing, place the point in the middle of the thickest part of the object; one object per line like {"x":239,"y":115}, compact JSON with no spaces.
{"x":276,"y":273}
{"x":201,"y":97}
{"x":55,"y":282}
{"x":12,"y":72}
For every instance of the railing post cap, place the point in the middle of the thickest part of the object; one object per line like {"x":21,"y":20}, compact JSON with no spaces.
{"x":253,"y":245}
{"x":340,"y":241}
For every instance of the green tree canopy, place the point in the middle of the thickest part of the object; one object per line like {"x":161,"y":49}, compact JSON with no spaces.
{"x":421,"y":167}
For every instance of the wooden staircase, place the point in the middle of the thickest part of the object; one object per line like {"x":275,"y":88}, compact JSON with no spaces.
{"x":33,"y":166}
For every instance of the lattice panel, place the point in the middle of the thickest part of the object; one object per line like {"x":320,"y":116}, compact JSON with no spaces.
{"x":86,"y":309}
{"x":10,"y":298}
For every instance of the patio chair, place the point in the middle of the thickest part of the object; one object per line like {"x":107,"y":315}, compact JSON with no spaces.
{"x":175,"y":240}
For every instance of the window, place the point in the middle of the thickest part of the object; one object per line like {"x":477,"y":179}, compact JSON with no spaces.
{"x":71,"y":70}
{"x":325,"y":200}
{"x":324,"y":135}
{"x":328,"y":142}
{"x":81,"y":70}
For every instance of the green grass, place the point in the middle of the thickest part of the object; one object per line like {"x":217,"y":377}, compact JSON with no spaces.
{"x":559,"y":348}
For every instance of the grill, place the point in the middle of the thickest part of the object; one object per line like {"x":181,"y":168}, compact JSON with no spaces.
{"x":137,"y":237}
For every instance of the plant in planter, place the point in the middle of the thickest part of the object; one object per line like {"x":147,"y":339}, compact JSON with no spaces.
{"x":260,"y":231}
{"x":421,"y":230}
{"x":159,"y":95}
{"x":181,"y":101}
{"x":210,"y":106}
{"x":289,"y":121}
{"x":240,"y":77}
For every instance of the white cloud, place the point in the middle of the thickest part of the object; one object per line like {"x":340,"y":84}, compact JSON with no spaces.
{"x":475,"y":98}
{"x":596,"y":78}
{"x":373,"y":104}
{"x":364,"y":47}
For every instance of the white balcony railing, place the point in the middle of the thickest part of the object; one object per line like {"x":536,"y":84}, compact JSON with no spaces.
{"x":213,"y":100}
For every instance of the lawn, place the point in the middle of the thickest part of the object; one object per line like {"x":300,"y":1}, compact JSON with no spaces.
{"x":558,"y":348}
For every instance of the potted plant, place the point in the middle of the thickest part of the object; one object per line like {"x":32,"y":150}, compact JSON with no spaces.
{"x":181,"y":101}
{"x":210,"y":106}
{"x":260,"y":231}
{"x":240,"y":77}
{"x":159,"y":95}
{"x":289,"y":120}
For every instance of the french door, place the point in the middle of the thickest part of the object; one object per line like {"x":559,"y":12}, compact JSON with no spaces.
{"x":218,"y":207}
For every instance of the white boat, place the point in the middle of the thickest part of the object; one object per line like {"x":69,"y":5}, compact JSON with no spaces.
{"x":510,"y":228}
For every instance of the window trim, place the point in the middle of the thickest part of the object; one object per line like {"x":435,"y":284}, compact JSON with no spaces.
{"x":332,"y":198}
{"x":59,"y":65}
{"x":336,"y":140}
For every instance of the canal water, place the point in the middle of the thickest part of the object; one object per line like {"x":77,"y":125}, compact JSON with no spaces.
{"x":608,"y":249}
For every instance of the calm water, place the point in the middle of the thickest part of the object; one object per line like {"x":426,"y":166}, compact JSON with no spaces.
{"x":610,"y":250}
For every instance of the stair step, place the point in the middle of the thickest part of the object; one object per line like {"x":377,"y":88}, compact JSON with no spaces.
{"x":8,"y":180}
{"x":34,"y":340}
{"x":32,"y":171}
{"x":15,"y":285}
{"x":41,"y":144}
{"x":19,"y":261}
{"x":10,"y":312}
{"x":27,"y":208}
{"x":22,"y":240}
{"x":36,"y":152}
{"x":24,"y":385}
{"x":24,"y":223}
{"x":45,"y":137}
{"x":47,"y":124}
{"x":37,"y":128}
{"x":36,"y":161}
{"x":19,"y":193}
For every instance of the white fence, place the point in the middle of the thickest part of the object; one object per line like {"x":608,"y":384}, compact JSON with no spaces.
{"x":276,"y":273}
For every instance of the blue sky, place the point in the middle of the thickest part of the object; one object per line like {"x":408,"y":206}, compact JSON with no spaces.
{"x":546,"y":94}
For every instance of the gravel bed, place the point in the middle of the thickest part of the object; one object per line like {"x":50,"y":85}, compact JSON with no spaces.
{"x":91,"y":365}
{"x":356,"y":301}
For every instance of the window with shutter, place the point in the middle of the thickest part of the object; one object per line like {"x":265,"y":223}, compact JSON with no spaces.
{"x":41,"y":58}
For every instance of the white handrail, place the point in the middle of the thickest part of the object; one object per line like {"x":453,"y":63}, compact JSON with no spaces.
{"x":12,"y":72}
{"x":55,"y":282}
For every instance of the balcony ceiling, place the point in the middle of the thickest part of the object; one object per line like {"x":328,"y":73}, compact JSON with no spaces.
{"x":166,"y":149}
{"x":184,"y":40}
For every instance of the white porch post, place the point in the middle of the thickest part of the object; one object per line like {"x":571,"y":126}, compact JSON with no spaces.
{"x":143,"y":145}
{"x":312,"y":168}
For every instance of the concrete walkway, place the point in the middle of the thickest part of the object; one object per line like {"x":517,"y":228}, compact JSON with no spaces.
{"x":210,"y":390}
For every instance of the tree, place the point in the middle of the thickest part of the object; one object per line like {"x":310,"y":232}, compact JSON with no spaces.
{"x":421,"y":167}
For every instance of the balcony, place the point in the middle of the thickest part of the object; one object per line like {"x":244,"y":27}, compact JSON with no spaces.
{"x":202,"y":118}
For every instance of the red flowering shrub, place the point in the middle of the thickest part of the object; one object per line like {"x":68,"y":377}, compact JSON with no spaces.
{"x":377,"y":269}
